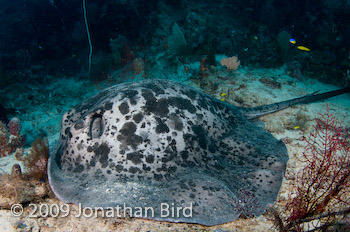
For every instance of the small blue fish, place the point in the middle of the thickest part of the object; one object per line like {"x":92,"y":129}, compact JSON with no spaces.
{"x":292,"y":41}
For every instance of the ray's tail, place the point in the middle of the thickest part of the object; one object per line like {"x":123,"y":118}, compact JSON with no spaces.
{"x":255,"y":112}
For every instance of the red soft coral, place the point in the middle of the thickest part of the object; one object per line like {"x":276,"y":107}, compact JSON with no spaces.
{"x":320,"y":198}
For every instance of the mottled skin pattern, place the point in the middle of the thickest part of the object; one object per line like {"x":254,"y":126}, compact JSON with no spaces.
{"x":159,"y":141}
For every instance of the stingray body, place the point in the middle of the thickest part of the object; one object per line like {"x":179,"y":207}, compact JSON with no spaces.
{"x":159,"y":147}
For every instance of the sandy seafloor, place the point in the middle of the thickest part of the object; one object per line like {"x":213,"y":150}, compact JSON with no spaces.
{"x":242,"y":88}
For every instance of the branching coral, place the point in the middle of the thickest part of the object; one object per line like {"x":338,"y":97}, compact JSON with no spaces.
{"x":320,"y":198}
{"x":36,"y":162}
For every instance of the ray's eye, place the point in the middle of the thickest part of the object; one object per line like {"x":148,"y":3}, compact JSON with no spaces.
{"x":96,"y":126}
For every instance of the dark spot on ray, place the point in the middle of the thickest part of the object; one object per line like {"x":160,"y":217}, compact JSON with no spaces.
{"x":184,"y":154}
{"x":159,"y":108}
{"x":190,"y":94}
{"x":131,"y":95}
{"x":119,"y":168}
{"x":108,"y":106}
{"x":150,"y":159}
{"x":202,"y":103}
{"x":156,"y":89}
{"x":161,"y":126}
{"x":140,"y":178}
{"x":124,"y":108}
{"x":148,"y":95}
{"x":80,"y":146}
{"x":188,"y":138}
{"x":200,"y":136}
{"x":67,"y":130}
{"x":134,"y":157}
{"x":127,"y":135}
{"x":99,"y":175}
{"x":111,"y":165}
{"x":134,"y":170}
{"x":158,"y":177}
{"x":102,"y":152}
{"x":212,"y":147}
{"x":240,"y":162}
{"x":183,"y":185}
{"x":128,"y":129}
{"x":192,"y":184}
{"x":138,"y":117}
{"x":181,"y":103}
{"x":163,"y":168}
{"x":92,"y":162}
{"x":176,"y":120}
{"x":172,"y":169}
{"x":146,"y":168}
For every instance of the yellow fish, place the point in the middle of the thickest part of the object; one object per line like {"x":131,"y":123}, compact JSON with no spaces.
{"x":222,"y":99}
{"x":292,"y":41}
{"x":223,"y":94}
{"x":296,"y":127}
{"x":302,"y":48}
